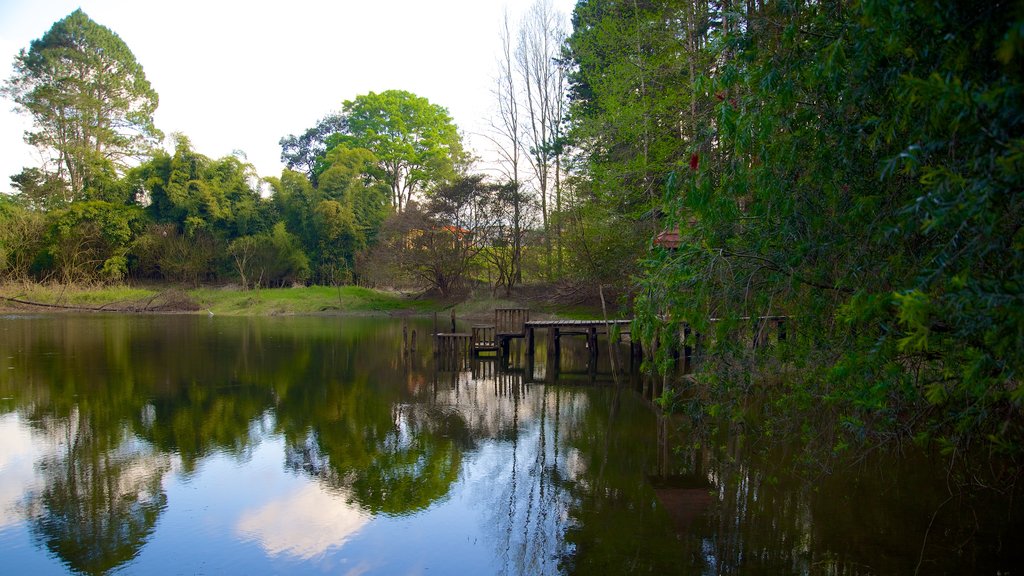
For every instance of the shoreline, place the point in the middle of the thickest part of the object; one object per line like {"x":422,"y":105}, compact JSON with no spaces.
{"x":350,"y":301}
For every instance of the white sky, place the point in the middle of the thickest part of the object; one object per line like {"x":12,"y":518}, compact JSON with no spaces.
{"x":239,"y":75}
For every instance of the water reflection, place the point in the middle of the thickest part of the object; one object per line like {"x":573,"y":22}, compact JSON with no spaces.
{"x":306,"y":523}
{"x":315,"y":444}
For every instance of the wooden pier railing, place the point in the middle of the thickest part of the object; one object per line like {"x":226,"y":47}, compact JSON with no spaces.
{"x":512,"y":323}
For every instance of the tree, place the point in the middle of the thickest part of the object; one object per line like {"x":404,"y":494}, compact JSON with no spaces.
{"x":416,"y":143}
{"x":199,"y":193}
{"x":22,"y":238}
{"x":90,"y":240}
{"x":636,"y":114}
{"x":439,"y":245}
{"x":304,"y":153}
{"x":351,"y":178}
{"x":89,"y":99}
{"x":336,"y":219}
{"x":508,"y":138}
{"x":541,"y":36}
{"x":273,"y":259}
{"x":40,"y":190}
{"x":865,"y":183}
{"x":512,"y":214}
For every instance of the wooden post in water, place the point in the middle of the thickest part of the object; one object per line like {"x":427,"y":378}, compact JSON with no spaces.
{"x":453,"y":319}
{"x":551,"y":370}
{"x":405,"y":336}
{"x":529,"y":342}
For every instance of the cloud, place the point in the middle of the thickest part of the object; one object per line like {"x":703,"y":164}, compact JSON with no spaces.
{"x":17,"y":455}
{"x":304,"y":524}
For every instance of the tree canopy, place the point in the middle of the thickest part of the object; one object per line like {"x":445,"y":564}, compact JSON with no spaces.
{"x":854,"y":166}
{"x":416,"y":143}
{"x":89,"y":99}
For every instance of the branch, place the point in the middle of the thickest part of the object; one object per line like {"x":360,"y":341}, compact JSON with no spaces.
{"x":60,"y":306}
{"x":771,"y":264}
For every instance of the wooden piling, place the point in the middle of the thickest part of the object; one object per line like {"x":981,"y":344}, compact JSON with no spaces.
{"x":405,"y":336}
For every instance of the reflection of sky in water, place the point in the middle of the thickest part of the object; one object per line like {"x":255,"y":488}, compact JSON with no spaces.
{"x":305,"y":523}
{"x":17,"y":454}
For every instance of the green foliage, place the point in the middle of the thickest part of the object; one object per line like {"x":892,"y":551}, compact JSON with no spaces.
{"x":199,"y":194}
{"x":23,"y":235}
{"x":40,"y":190}
{"x":89,"y":100}
{"x":416,"y":143}
{"x":161,"y":251}
{"x":333,"y":221}
{"x":90,"y":240}
{"x":304,"y":153}
{"x":271,"y":259}
{"x":854,"y":165}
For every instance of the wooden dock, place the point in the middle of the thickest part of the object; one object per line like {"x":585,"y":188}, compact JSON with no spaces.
{"x":456,"y":350}
{"x":589,"y":328}
{"x":513,"y":323}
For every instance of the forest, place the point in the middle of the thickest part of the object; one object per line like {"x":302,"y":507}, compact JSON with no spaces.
{"x":853,"y":166}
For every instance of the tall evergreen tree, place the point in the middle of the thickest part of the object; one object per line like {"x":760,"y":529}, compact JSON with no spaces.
{"x":89,"y":99}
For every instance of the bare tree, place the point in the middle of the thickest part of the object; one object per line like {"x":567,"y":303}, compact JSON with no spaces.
{"x":507,"y":138}
{"x":540,"y":39}
{"x":511,"y":214}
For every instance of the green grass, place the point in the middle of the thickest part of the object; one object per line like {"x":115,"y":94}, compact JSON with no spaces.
{"x":83,"y":296}
{"x":304,"y":300}
{"x":268,"y":302}
{"x":226,"y":301}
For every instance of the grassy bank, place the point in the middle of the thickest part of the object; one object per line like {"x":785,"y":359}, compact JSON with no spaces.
{"x":232,"y":301}
{"x":306,"y":300}
{"x":226,"y":301}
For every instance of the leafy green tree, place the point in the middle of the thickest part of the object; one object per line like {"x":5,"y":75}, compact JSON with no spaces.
{"x":635,"y":115}
{"x":272,"y":259}
{"x":416,"y":143}
{"x":351,"y":178}
{"x":40,"y":190}
{"x":335,"y":220}
{"x":853,"y":165}
{"x":89,"y":99}
{"x":198,"y":193}
{"x":23,"y":236}
{"x":305,"y":153}
{"x":91,"y":240}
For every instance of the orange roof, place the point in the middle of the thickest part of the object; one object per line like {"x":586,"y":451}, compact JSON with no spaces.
{"x":455,"y":230}
{"x":668,"y":239}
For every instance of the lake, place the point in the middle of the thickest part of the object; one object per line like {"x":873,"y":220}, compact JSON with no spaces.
{"x":308,"y":445}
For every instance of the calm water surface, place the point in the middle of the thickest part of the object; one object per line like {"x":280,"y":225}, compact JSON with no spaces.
{"x":195,"y":445}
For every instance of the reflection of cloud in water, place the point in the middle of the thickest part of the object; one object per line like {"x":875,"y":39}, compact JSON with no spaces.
{"x":305,"y":523}
{"x":16,"y":468}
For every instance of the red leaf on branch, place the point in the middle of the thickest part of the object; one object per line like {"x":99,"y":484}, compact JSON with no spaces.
{"x":694,"y":161}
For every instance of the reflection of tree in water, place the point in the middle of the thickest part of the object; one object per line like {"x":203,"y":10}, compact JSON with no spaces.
{"x":767,"y":514}
{"x":89,"y":384}
{"x":390,"y":457}
{"x":564,"y":489}
{"x":100,"y":501}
